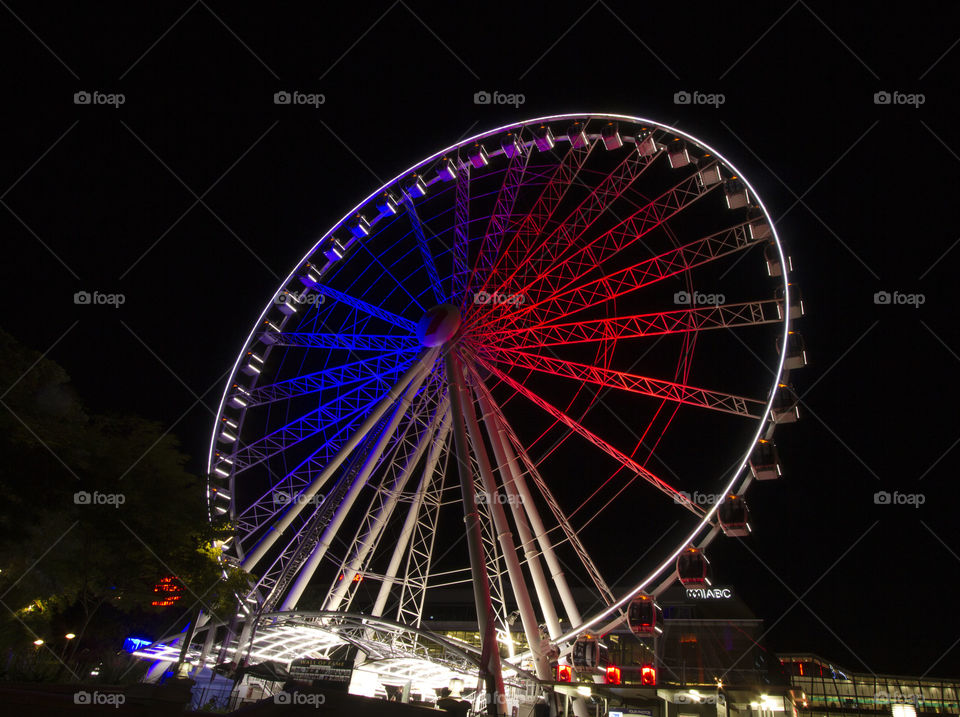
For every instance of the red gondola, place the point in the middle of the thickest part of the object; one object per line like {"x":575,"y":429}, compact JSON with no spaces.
{"x":644,"y":616}
{"x":734,"y":516}
{"x":692,"y":567}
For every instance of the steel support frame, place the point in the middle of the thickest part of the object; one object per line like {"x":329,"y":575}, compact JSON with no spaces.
{"x":420,"y":367}
{"x":490,"y":672}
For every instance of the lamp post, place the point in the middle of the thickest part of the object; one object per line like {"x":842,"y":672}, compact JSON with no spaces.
{"x":68,"y":637}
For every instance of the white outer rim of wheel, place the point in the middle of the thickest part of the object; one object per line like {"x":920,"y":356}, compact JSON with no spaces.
{"x":705,"y":520}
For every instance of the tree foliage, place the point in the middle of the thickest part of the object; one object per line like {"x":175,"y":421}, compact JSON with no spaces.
{"x":96,"y":510}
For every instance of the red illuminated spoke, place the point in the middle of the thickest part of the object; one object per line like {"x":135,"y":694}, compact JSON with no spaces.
{"x":657,"y":388}
{"x":545,"y":252}
{"x":499,"y":219}
{"x":568,"y":301}
{"x":726,"y":316}
{"x":567,"y":264}
{"x":625,"y":460}
{"x":535,"y":221}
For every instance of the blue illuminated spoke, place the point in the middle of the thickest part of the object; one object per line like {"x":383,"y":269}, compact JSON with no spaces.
{"x":366,"y":308}
{"x":350,"y":342}
{"x":428,"y":262}
{"x":374,"y":368}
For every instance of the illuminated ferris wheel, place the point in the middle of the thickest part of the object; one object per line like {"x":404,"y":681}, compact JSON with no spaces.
{"x":550,"y":355}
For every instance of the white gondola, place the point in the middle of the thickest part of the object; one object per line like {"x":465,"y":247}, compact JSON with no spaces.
{"x":645,"y":616}
{"x":589,"y":653}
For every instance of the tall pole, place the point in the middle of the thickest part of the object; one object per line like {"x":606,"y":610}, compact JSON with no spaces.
{"x":509,"y":470}
{"x":490,"y":671}
{"x":517,"y":583}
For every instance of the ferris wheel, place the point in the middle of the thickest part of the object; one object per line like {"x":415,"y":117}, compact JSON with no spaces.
{"x":546,"y":357}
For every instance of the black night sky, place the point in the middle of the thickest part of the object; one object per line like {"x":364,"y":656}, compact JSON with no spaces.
{"x":197,"y":194}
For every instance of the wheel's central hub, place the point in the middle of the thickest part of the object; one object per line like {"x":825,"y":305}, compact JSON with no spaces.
{"x":438,"y":325}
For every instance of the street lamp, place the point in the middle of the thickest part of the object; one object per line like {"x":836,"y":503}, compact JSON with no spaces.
{"x":38,"y":642}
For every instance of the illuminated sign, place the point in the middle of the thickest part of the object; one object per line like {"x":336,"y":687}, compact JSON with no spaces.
{"x":334,"y":674}
{"x":712,"y":593}
{"x":168,"y":592}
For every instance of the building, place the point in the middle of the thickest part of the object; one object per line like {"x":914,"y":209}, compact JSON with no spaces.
{"x":830,"y":691}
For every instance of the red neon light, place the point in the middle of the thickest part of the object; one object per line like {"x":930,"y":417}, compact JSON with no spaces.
{"x":643,"y":385}
{"x":564,"y":673}
{"x":648,"y":675}
{"x":625,"y":460}
{"x":613,"y":675}
{"x":168,"y":592}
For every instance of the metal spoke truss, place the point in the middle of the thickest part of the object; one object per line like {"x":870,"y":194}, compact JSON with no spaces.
{"x":373,"y":453}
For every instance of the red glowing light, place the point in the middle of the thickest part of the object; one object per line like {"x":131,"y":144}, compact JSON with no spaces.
{"x":613,"y":675}
{"x":168,"y":592}
{"x":564,"y":673}
{"x":648,"y":675}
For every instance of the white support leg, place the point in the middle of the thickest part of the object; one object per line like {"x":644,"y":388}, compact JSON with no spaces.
{"x":367,"y":541}
{"x":490,"y":672}
{"x":308,"y":568}
{"x":509,"y":470}
{"x":277,"y":529}
{"x":514,"y":572}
